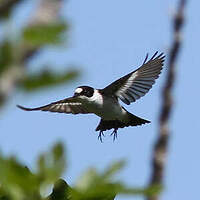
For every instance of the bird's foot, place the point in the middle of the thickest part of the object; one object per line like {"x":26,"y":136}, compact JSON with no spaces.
{"x":100,"y":135}
{"x":114,"y":133}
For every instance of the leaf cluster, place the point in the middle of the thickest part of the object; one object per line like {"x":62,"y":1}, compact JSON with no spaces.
{"x":17,"y":182}
{"x":16,"y":51}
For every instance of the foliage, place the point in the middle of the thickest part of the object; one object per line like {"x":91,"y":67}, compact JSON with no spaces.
{"x":38,"y":35}
{"x":16,"y":51}
{"x":17,"y":182}
{"x":6,"y":55}
{"x":47,"y":78}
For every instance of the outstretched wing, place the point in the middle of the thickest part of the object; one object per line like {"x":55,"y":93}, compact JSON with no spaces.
{"x":68,"y":105}
{"x":137,"y":83}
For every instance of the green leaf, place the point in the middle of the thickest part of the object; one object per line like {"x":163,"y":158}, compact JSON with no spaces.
{"x":16,"y":179}
{"x":4,"y":195}
{"x":17,"y":182}
{"x":37,"y":35}
{"x":6,"y":55}
{"x":61,"y":191}
{"x":51,"y":165}
{"x":89,"y":179}
{"x":113,"y":169}
{"x":47,"y":79}
{"x":95,"y":186}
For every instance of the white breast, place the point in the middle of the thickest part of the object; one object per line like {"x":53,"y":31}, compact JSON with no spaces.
{"x":107,"y":108}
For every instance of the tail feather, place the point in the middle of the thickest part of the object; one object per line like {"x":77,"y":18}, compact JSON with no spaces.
{"x":135,"y":121}
{"x":132,"y":121}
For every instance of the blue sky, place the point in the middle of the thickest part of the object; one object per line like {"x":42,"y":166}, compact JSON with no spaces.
{"x":107,"y":40}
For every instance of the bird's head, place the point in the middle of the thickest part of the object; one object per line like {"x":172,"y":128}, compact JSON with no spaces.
{"x":84,"y":91}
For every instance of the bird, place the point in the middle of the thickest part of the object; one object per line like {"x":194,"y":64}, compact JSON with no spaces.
{"x":105,"y":102}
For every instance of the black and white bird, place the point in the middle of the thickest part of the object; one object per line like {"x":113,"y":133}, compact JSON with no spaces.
{"x":105,"y":102}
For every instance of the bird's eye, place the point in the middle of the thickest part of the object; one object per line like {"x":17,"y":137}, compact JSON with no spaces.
{"x":88,"y":93}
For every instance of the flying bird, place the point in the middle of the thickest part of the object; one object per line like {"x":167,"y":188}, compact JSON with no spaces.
{"x":105,"y":102}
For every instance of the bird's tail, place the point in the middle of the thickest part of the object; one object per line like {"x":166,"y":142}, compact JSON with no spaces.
{"x":135,"y":121}
{"x":132,"y":120}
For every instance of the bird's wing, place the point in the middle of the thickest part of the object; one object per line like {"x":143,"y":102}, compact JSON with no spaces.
{"x":68,"y":105}
{"x":137,"y":83}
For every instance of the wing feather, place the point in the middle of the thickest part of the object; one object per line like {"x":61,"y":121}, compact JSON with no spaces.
{"x":68,"y":105}
{"x":137,"y":83}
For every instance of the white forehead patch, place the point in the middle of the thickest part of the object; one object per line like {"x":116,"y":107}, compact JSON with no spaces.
{"x":78,"y":90}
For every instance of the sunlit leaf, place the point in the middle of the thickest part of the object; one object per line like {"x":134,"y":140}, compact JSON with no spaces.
{"x":113,"y":169}
{"x":17,"y":180}
{"x":101,"y":186}
{"x":93,"y":185}
{"x":13,"y":173}
{"x":89,"y":179}
{"x":51,"y":165}
{"x":47,"y":79}
{"x":43,"y":34}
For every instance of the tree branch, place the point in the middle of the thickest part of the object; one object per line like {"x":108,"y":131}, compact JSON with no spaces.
{"x":161,"y":145}
{"x":47,"y":12}
{"x":6,"y":6}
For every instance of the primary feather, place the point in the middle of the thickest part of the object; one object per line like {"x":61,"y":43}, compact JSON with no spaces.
{"x":137,"y":83}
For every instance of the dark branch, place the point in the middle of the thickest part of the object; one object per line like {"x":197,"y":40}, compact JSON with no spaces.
{"x":161,"y":145}
{"x":6,"y":6}
{"x":47,"y":12}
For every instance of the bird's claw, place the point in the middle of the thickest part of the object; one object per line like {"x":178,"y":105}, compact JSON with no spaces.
{"x":100,"y":136}
{"x":114,"y":133}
